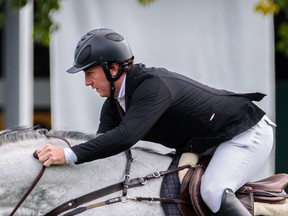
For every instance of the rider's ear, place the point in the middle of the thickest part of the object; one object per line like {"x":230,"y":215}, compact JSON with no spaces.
{"x":114,"y":68}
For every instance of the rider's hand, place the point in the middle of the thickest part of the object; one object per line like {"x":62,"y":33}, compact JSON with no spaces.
{"x":51,"y":154}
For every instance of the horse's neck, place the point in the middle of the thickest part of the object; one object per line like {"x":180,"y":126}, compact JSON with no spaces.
{"x":19,"y":169}
{"x":62,"y":183}
{"x":18,"y":157}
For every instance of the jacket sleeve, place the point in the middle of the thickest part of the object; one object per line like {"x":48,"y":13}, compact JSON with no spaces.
{"x":148,"y":103}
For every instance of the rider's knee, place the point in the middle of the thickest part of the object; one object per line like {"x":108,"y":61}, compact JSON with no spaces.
{"x":207,"y":192}
{"x":211,"y":194}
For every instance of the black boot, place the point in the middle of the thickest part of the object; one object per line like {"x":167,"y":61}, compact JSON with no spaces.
{"x":231,"y":206}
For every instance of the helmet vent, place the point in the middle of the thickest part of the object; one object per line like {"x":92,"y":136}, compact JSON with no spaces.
{"x":114,"y":36}
{"x":84,"y":56}
{"x":99,"y":46}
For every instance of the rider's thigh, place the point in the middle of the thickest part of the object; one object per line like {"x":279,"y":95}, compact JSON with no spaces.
{"x":235,"y":162}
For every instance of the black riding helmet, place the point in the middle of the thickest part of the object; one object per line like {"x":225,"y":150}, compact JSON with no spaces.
{"x":101,"y":47}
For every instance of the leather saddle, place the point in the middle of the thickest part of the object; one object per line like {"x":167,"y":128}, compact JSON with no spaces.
{"x":268,"y":190}
{"x":271,"y":189}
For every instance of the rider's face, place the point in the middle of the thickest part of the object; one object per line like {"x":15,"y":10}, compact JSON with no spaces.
{"x":95,"y":77}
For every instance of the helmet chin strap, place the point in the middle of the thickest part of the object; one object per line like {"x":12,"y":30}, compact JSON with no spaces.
{"x":111,"y":78}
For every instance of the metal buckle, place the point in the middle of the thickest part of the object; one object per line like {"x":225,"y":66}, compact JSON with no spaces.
{"x":143,"y":181}
{"x":156,"y":174}
{"x":127,"y":177}
{"x":124,"y":198}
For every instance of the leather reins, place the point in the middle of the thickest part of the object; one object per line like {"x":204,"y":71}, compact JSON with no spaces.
{"x":127,"y":183}
{"x":124,"y":186}
{"x":36,"y":180}
{"x":38,"y":177}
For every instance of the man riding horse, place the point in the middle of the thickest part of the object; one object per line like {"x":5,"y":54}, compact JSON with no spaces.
{"x":157,"y":105}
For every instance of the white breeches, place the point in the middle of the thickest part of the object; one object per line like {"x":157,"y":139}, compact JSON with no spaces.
{"x":236,"y":161}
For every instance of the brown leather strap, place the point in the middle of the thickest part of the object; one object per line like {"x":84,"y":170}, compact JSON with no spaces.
{"x":127,"y":153}
{"x":28,"y":191}
{"x":136,"y":182}
{"x":85,"y":199}
{"x":49,"y":135}
{"x":129,"y":157}
{"x":163,"y":200}
{"x":119,"y":199}
{"x":38,"y":177}
{"x":264,"y":196}
{"x":95,"y":205}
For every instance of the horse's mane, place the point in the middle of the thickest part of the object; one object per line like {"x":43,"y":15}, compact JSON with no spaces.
{"x":76,"y":135}
{"x":15,"y":134}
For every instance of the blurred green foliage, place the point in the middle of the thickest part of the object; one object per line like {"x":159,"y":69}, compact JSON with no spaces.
{"x":278,"y":8}
{"x":146,"y":2}
{"x":44,"y":26}
{"x":43,"y":23}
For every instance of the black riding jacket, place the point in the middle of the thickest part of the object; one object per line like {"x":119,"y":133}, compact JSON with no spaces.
{"x":172,"y":110}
